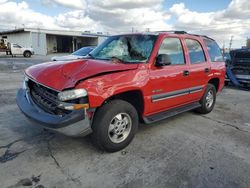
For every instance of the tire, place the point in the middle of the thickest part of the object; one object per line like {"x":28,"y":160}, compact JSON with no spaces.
{"x":114,"y":125}
{"x":27,"y":54}
{"x":208,"y":100}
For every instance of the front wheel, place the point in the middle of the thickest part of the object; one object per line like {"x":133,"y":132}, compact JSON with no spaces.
{"x":27,"y":54}
{"x":114,"y":125}
{"x":208,"y":100}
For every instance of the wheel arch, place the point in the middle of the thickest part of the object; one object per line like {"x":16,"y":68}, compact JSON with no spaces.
{"x":134,"y":97}
{"x":215,"y":82}
{"x":27,"y":51}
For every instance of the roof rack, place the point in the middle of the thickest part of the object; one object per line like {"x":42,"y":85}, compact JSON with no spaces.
{"x":173,"y":31}
{"x":202,"y":36}
{"x":184,"y":32}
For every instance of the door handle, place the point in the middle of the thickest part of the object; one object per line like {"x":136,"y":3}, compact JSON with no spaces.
{"x":185,"y":73}
{"x":206,"y":70}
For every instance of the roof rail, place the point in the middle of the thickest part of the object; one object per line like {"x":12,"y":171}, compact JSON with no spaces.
{"x":173,"y":31}
{"x":201,"y":36}
{"x":184,"y":32}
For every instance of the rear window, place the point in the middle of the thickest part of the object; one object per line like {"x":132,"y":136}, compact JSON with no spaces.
{"x":213,"y":50}
{"x":16,"y":46}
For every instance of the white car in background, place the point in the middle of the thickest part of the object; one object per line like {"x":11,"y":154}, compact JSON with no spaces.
{"x":15,"y":49}
{"x":79,"y":54}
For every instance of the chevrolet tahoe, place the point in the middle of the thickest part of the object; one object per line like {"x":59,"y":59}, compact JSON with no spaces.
{"x":129,"y":78}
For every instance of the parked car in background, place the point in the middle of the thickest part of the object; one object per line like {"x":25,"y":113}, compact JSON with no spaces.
{"x":15,"y":49}
{"x":238,"y":69}
{"x":227,"y":57}
{"x":128,"y":78}
{"x":81,"y":53}
{"x":228,"y":60}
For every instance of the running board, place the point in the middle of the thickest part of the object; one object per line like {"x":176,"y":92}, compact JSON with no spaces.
{"x":170,"y":113}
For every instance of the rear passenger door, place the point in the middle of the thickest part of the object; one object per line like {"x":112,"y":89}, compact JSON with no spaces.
{"x":199,"y":68}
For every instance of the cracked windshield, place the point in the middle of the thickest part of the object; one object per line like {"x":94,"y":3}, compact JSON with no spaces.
{"x":127,"y":49}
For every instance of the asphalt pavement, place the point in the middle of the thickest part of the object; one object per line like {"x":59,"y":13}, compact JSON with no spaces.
{"x":188,"y":150}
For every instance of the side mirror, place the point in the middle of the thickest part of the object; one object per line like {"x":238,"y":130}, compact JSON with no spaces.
{"x":163,"y":60}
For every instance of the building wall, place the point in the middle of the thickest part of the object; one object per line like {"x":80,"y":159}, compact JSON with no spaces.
{"x":248,"y":43}
{"x":43,"y":43}
{"x":101,"y":39}
{"x":51,"y":44}
{"x":39,"y":43}
{"x":23,"y":39}
{"x":86,"y":41}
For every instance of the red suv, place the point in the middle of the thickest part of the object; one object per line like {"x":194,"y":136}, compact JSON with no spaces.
{"x":129,"y":78}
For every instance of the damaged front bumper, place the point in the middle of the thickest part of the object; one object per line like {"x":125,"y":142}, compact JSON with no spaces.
{"x":75,"y":123}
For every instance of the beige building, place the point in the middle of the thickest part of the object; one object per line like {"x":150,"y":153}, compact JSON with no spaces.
{"x":248,"y":43}
{"x":45,"y":41}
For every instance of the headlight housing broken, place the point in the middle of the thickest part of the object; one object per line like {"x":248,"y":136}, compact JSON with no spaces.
{"x":72,"y":94}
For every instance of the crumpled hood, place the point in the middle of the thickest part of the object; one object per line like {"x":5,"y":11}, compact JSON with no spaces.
{"x":61,"y":75}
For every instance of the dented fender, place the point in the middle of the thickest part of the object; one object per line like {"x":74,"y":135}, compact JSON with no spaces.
{"x":105,"y":86}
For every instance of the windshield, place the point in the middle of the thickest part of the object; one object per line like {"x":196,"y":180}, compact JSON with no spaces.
{"x":127,"y":48}
{"x":83,"y":51}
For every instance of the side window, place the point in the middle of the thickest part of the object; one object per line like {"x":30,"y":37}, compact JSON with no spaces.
{"x":195,"y":51}
{"x":213,"y":50}
{"x":173,"y":48}
{"x":16,"y":46}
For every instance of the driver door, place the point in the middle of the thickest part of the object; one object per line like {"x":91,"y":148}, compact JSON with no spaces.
{"x":169,"y":84}
{"x":16,"y":49}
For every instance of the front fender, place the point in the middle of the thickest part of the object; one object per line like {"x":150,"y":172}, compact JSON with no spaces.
{"x":103,"y":87}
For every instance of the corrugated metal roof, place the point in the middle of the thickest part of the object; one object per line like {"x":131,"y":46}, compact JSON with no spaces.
{"x":55,"y":32}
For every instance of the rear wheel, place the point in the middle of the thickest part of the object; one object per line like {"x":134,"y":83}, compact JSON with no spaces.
{"x":114,"y":125}
{"x":208,"y":100}
{"x":27,"y":54}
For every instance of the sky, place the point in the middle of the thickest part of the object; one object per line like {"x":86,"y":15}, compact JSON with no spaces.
{"x":218,"y":19}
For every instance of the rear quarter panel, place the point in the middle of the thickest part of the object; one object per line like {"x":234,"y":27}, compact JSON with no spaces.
{"x":218,"y":70}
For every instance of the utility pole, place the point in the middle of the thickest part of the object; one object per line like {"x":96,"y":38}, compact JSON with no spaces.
{"x":231,"y":42}
{"x":223,"y":47}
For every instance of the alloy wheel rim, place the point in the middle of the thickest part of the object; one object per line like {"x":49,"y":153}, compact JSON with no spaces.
{"x":119,"y":127}
{"x":209,"y":99}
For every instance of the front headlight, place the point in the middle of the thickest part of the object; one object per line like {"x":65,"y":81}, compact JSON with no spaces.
{"x":24,"y":85}
{"x":72,"y":94}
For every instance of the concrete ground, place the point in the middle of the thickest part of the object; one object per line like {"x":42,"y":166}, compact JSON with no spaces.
{"x":188,"y":150}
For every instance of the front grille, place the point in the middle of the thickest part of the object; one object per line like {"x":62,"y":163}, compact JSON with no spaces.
{"x":45,"y":98}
